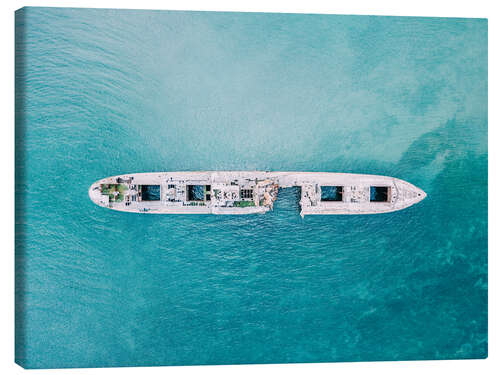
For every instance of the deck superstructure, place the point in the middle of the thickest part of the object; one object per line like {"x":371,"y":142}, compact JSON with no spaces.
{"x":249,"y":192}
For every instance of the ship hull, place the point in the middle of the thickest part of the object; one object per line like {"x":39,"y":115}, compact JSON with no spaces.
{"x":252,"y":192}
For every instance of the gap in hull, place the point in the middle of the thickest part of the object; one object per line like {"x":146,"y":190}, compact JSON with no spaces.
{"x":288,"y":200}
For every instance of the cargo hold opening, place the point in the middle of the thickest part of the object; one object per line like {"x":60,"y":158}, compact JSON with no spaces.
{"x":379,"y":193}
{"x":150,"y":192}
{"x":332,"y":193}
{"x":196,"y":193}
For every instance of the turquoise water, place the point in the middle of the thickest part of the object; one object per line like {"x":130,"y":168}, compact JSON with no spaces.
{"x":107,"y":92}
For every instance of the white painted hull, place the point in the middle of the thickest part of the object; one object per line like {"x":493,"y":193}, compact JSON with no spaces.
{"x":222,"y":192}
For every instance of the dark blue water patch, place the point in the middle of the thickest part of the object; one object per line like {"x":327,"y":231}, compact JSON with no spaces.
{"x":195,"y":192}
{"x":150,"y":192}
{"x":331,"y":193}
{"x":378,"y":193}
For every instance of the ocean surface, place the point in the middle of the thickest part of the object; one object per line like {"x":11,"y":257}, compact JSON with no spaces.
{"x":107,"y":92}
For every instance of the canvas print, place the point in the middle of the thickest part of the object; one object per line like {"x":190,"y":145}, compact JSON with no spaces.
{"x":235,"y":188}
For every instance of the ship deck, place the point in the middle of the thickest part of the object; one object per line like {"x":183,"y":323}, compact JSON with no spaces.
{"x":250,"y":192}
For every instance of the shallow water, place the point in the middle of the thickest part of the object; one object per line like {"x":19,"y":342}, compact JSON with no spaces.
{"x":108,"y":92}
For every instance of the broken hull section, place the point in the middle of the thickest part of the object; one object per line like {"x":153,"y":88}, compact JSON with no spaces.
{"x":252,"y":192}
